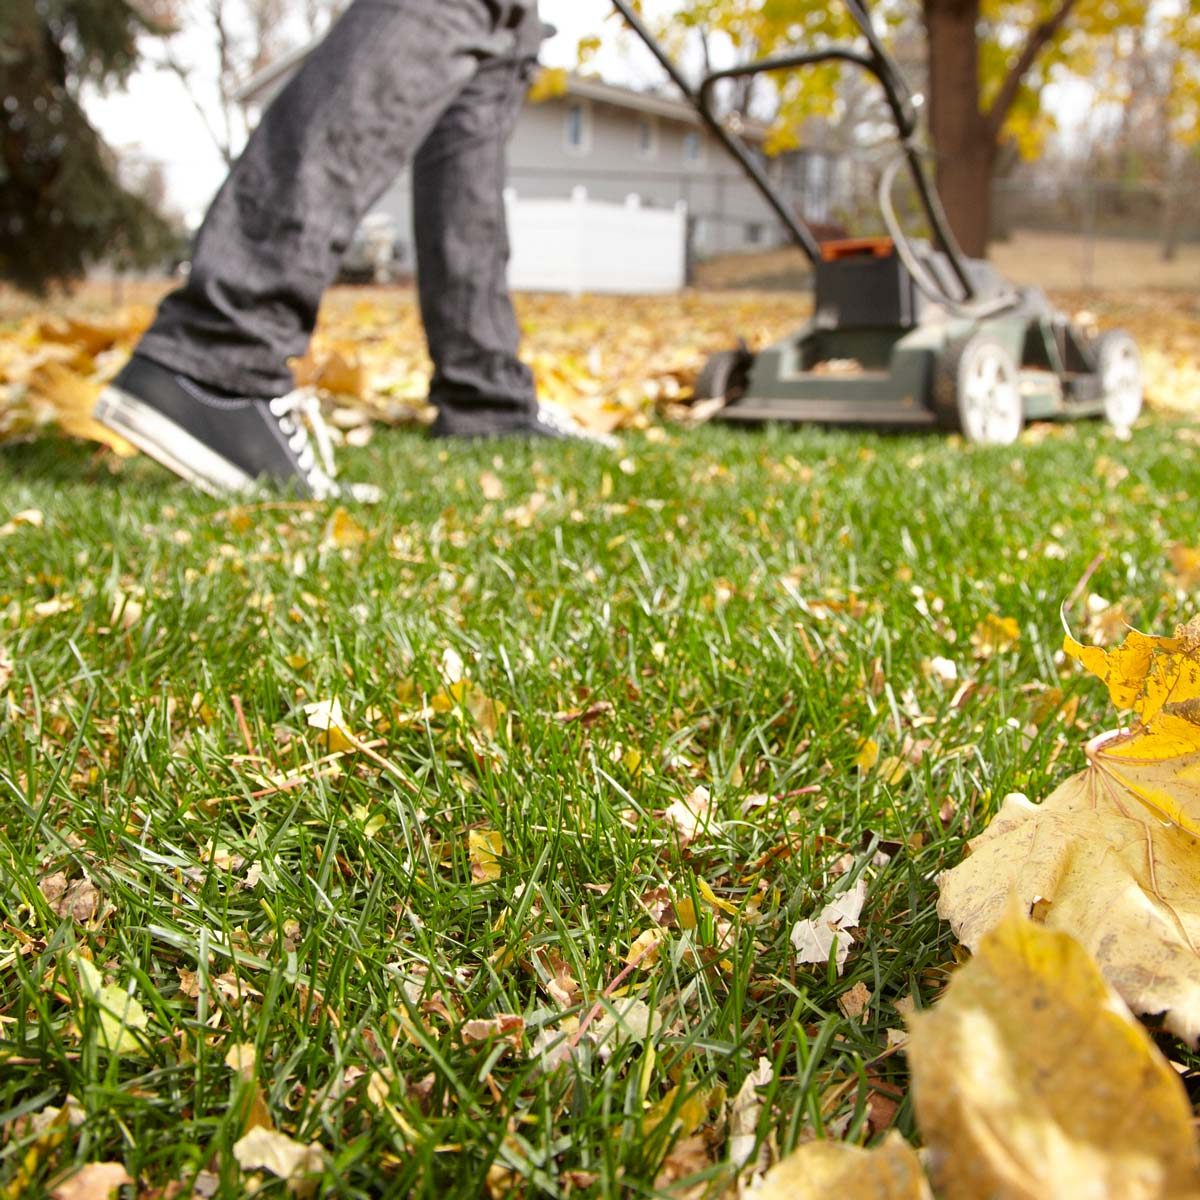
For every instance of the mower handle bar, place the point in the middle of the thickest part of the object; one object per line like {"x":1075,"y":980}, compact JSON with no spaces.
{"x":900,"y":100}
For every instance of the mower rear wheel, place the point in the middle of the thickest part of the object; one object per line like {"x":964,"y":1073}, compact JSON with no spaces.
{"x":724,"y":376}
{"x":1119,"y":366}
{"x":977,"y":391}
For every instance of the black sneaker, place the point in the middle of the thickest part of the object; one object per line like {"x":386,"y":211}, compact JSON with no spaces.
{"x":218,"y":442}
{"x":548,"y":420}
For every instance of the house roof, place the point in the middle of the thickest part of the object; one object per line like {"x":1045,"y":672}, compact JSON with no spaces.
{"x":581,"y":87}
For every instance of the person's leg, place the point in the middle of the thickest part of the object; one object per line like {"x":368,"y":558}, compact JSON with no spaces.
{"x":479,"y":386}
{"x":208,"y":392}
{"x":330,"y":143}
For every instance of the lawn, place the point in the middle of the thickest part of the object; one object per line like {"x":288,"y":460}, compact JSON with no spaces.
{"x":510,"y":947}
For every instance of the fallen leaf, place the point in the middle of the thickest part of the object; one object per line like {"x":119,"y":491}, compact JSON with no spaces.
{"x":1110,"y":856}
{"x":744,"y":1113}
{"x":509,"y":1026}
{"x":622,"y":1021}
{"x":995,"y":634}
{"x":687,"y":1157}
{"x":342,"y":531}
{"x":1032,"y":1080}
{"x":491,"y":486}
{"x":95,"y":1181}
{"x":270,"y":1150}
{"x":326,"y":715}
{"x":484,"y":848}
{"x":78,"y":900}
{"x":644,"y":949}
{"x":29,"y":518}
{"x":867,"y":755}
{"x":119,"y":1015}
{"x":944,"y":670}
{"x":1092,"y":861}
{"x":1185,"y":566}
{"x":854,"y":1002}
{"x":815,"y":938}
{"x":692,"y":815}
{"x":819,"y":1170}
{"x":1157,"y":677}
{"x":70,"y":398}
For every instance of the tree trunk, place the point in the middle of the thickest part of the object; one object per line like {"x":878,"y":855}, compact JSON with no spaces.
{"x":963,"y":141}
{"x":1169,"y":226}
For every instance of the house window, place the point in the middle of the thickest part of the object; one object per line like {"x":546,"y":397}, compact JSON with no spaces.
{"x":754,"y":233}
{"x":647,"y":138}
{"x":578,"y":132}
{"x":693,"y":148}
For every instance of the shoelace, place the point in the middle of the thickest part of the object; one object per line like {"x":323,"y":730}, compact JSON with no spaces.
{"x":299,"y":413}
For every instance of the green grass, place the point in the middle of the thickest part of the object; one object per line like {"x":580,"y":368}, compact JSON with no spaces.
{"x":746,"y":605}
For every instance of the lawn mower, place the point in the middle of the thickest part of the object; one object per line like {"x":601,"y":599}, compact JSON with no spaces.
{"x":906,"y":333}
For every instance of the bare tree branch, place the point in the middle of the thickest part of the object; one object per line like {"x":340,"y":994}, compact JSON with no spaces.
{"x":171,"y":63}
{"x":1039,"y":37}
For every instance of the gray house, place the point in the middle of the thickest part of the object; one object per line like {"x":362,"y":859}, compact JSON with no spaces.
{"x":615,"y":142}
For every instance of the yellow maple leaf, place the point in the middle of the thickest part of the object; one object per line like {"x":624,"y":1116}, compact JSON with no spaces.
{"x":1159,"y":679}
{"x":1093,"y":861}
{"x":1032,"y":1080}
{"x":818,"y":1170}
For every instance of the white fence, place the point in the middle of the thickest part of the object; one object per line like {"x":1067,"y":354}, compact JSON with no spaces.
{"x":581,"y":245}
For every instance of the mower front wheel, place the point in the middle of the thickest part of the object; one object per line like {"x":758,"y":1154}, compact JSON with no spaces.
{"x":724,"y":376}
{"x":1119,"y":366}
{"x":977,"y":391}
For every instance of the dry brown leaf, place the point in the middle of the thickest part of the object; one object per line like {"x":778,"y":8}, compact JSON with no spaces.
{"x":855,"y":1001}
{"x":78,"y":899}
{"x":95,"y":1181}
{"x":510,"y":1026}
{"x":819,"y":1170}
{"x":692,"y":815}
{"x":1033,"y":1082}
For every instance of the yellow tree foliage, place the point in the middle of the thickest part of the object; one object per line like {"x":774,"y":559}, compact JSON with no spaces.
{"x":989,"y":61}
{"x":1009,"y":32}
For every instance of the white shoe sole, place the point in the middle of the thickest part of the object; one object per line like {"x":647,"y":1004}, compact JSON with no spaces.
{"x":168,"y":444}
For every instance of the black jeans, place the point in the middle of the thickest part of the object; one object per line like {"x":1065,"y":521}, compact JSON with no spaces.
{"x":439,"y":83}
